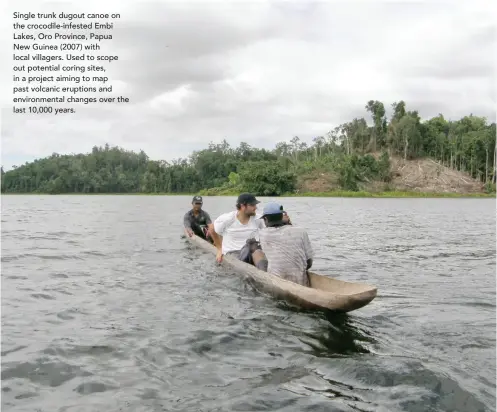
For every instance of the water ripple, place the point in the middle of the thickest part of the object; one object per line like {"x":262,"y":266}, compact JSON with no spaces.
{"x":106,"y":308}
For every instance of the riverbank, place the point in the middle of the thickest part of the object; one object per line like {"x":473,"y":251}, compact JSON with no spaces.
{"x":98,"y":194}
{"x":338,"y":193}
{"x":363,"y":194}
{"x":395,"y":194}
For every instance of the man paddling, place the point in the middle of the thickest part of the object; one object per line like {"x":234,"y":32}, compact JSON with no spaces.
{"x":197,"y":221}
{"x":237,"y":233}
{"x":287,"y":248}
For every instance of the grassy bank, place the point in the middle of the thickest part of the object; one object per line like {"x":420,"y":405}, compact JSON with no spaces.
{"x":393,"y":194}
{"x":362,"y":193}
{"x":100,"y":194}
{"x":338,"y":193}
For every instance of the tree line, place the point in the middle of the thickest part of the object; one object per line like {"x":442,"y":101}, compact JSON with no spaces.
{"x":356,"y":151}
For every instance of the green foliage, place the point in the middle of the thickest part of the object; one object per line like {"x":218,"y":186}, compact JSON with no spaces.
{"x":234,"y":179}
{"x":490,"y":187}
{"x":384,"y":171}
{"x":349,"y":151}
{"x":348,"y":175}
{"x":266,"y":178}
{"x":355,"y":169}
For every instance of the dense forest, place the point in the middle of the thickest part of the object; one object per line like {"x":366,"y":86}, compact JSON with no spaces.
{"x":355,"y":151}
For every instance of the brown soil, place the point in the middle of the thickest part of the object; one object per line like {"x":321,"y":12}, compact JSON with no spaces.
{"x":427,"y":175}
{"x":317,"y":182}
{"x":420,"y":175}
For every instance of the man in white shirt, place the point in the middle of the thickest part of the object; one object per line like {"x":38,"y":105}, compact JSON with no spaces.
{"x":287,"y":248}
{"x":238,"y":232}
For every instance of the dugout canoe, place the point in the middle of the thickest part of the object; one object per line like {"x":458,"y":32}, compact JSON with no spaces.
{"x":325,"y":292}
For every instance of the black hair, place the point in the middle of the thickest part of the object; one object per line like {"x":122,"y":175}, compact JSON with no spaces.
{"x":274,"y":220}
{"x":239,"y":205}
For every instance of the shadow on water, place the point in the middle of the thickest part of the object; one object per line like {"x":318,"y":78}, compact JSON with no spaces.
{"x":333,"y":334}
{"x":338,"y":337}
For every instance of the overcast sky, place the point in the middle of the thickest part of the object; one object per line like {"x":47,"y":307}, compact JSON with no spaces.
{"x":262,"y":72}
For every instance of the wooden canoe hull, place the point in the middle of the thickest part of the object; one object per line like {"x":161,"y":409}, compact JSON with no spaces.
{"x":324,"y":292}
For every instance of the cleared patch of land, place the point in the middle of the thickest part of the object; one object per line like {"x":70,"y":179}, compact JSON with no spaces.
{"x":420,"y":175}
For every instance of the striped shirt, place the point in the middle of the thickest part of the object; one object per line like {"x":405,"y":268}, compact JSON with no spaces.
{"x":287,"y":249}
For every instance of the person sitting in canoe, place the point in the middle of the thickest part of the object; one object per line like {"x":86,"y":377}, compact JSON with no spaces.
{"x":197,"y":221}
{"x":237,"y":232}
{"x":287,"y":248}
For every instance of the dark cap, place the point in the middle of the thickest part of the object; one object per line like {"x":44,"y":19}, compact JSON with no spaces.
{"x":197,"y":199}
{"x":247,"y":199}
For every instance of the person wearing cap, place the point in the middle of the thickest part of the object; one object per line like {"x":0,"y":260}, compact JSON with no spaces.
{"x":287,"y":248}
{"x":197,"y":221}
{"x":237,"y":232}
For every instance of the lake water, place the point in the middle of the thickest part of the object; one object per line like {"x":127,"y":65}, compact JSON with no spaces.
{"x":106,"y":308}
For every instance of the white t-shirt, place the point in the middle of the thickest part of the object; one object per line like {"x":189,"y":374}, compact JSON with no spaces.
{"x":287,"y":249}
{"x":234,"y":233}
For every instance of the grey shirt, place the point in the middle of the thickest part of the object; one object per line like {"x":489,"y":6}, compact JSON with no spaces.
{"x":287,"y":249}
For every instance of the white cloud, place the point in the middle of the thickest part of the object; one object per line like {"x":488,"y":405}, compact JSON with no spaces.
{"x":173,"y":103}
{"x":263,"y":71}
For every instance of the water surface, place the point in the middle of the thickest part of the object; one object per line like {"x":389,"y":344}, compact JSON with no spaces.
{"x":106,"y":308}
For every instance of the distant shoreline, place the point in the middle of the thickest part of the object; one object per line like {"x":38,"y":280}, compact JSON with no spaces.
{"x":396,"y":194}
{"x":335,"y":194}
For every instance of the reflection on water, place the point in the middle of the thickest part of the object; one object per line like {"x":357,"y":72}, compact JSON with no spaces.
{"x":106,"y":308}
{"x":338,"y":338}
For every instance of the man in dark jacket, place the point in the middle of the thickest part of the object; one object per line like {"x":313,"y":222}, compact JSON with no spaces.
{"x":197,"y":221}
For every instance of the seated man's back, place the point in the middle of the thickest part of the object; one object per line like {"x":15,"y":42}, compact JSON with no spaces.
{"x":287,"y":248}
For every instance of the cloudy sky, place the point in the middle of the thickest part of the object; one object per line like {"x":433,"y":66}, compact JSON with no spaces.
{"x":261,"y":72}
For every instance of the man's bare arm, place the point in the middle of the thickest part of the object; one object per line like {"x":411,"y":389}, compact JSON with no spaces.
{"x":218,"y":240}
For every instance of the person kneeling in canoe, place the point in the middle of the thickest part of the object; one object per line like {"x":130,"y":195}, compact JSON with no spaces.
{"x":286,"y":247}
{"x":197,"y":221}
{"x":237,"y":233}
